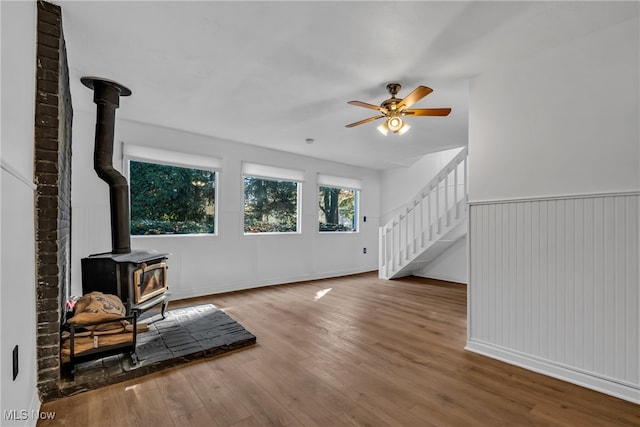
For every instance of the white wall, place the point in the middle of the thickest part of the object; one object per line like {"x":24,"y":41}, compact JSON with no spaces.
{"x":17,"y":256}
{"x":554,"y":279}
{"x":202,"y":265}
{"x":560,"y":123}
{"x":451,"y":265}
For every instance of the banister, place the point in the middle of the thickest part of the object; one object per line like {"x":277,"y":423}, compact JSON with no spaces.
{"x":433,"y":184}
{"x":406,"y":234}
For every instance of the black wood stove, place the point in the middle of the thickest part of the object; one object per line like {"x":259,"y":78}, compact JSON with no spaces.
{"x":139,"y":278}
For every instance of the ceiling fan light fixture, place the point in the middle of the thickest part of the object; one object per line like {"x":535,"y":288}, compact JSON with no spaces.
{"x":383,"y":128}
{"x":405,"y":127}
{"x":395,"y":124}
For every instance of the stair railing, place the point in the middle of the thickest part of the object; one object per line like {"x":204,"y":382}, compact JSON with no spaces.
{"x":438,"y":205}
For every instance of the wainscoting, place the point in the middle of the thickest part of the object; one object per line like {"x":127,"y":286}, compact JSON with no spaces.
{"x":554,"y":287}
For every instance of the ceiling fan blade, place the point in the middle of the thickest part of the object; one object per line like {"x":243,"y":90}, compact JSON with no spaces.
{"x":415,"y":96}
{"x":428,"y":112}
{"x":369,"y":106}
{"x":370,"y":119}
{"x":364,"y":104}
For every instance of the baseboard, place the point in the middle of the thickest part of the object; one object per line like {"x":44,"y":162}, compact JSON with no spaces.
{"x":610,"y":386}
{"x":241,"y":286}
{"x":442,"y":277}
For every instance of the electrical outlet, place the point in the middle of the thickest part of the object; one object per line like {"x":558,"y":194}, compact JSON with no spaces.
{"x":15,"y":362}
{"x":364,"y":250}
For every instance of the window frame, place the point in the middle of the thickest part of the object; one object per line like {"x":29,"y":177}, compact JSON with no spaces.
{"x":164,"y":157}
{"x":273,"y":173}
{"x":356,"y":210}
{"x":343,"y":183}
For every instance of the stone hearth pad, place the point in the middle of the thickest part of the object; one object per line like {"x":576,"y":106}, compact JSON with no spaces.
{"x":186,"y":334}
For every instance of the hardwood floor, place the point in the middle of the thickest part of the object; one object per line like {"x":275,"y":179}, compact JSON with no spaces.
{"x":351,"y":351}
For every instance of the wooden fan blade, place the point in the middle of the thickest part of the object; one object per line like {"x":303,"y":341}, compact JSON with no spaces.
{"x":364,"y":104}
{"x":369,"y":106}
{"x":370,"y":119}
{"x":428,"y":112}
{"x":415,"y":96}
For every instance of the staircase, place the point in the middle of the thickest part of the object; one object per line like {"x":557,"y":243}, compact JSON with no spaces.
{"x":429,"y":224}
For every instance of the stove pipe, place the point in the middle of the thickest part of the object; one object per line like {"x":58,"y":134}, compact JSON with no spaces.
{"x":106,"y":95}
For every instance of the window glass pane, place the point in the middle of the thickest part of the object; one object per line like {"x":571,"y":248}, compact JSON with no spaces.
{"x":270,"y":206}
{"x":171,"y":200}
{"x":338,"y":209}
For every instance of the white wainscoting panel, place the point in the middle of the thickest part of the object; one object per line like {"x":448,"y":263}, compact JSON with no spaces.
{"x":554,"y":287}
{"x":90,"y":234}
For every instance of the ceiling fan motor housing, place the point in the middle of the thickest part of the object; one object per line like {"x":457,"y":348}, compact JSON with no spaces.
{"x":391,"y":104}
{"x":393,"y":88}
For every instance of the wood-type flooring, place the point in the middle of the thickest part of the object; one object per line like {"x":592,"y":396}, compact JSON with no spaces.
{"x":349,"y":351}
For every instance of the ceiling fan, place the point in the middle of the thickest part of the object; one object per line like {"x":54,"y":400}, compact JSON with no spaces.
{"x":394,"y":108}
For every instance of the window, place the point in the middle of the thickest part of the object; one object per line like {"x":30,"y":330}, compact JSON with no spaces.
{"x":338,"y":209}
{"x":171,"y":192}
{"x":168,"y":199}
{"x":338,"y":204}
{"x":271,"y":199}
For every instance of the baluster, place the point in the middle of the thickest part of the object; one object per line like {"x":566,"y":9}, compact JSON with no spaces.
{"x":389,"y":251}
{"x":399,"y":240}
{"x":415,"y":226}
{"x":403,"y":219}
{"x":429,"y":214}
{"x":406,"y":235}
{"x":399,"y":252}
{"x":396,"y":249}
{"x":409,"y":228}
{"x":438,"y":217}
{"x":446,"y":198}
{"x":392,"y":254}
{"x":455,"y":190}
{"x":421,"y":222}
{"x":464,"y":182}
{"x":381,"y":272}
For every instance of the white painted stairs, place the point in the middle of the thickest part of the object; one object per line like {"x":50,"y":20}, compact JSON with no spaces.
{"x":428,"y":225}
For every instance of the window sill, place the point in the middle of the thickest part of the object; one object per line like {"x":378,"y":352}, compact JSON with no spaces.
{"x":155,"y":236}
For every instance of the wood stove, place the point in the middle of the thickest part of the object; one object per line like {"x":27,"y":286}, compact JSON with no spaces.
{"x":139,"y":278}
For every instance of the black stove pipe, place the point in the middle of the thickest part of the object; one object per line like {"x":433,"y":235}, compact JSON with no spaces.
{"x":106,"y":95}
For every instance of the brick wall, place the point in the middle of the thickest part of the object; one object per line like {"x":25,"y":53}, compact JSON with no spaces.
{"x":52,"y":156}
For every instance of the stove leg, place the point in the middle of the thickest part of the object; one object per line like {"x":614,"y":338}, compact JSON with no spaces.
{"x":164,"y":308}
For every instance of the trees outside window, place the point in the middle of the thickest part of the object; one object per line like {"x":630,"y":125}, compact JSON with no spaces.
{"x":338,"y":209}
{"x":270,"y":206}
{"x":168,"y":199}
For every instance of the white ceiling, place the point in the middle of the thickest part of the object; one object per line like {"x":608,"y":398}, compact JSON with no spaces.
{"x":276,"y":73}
